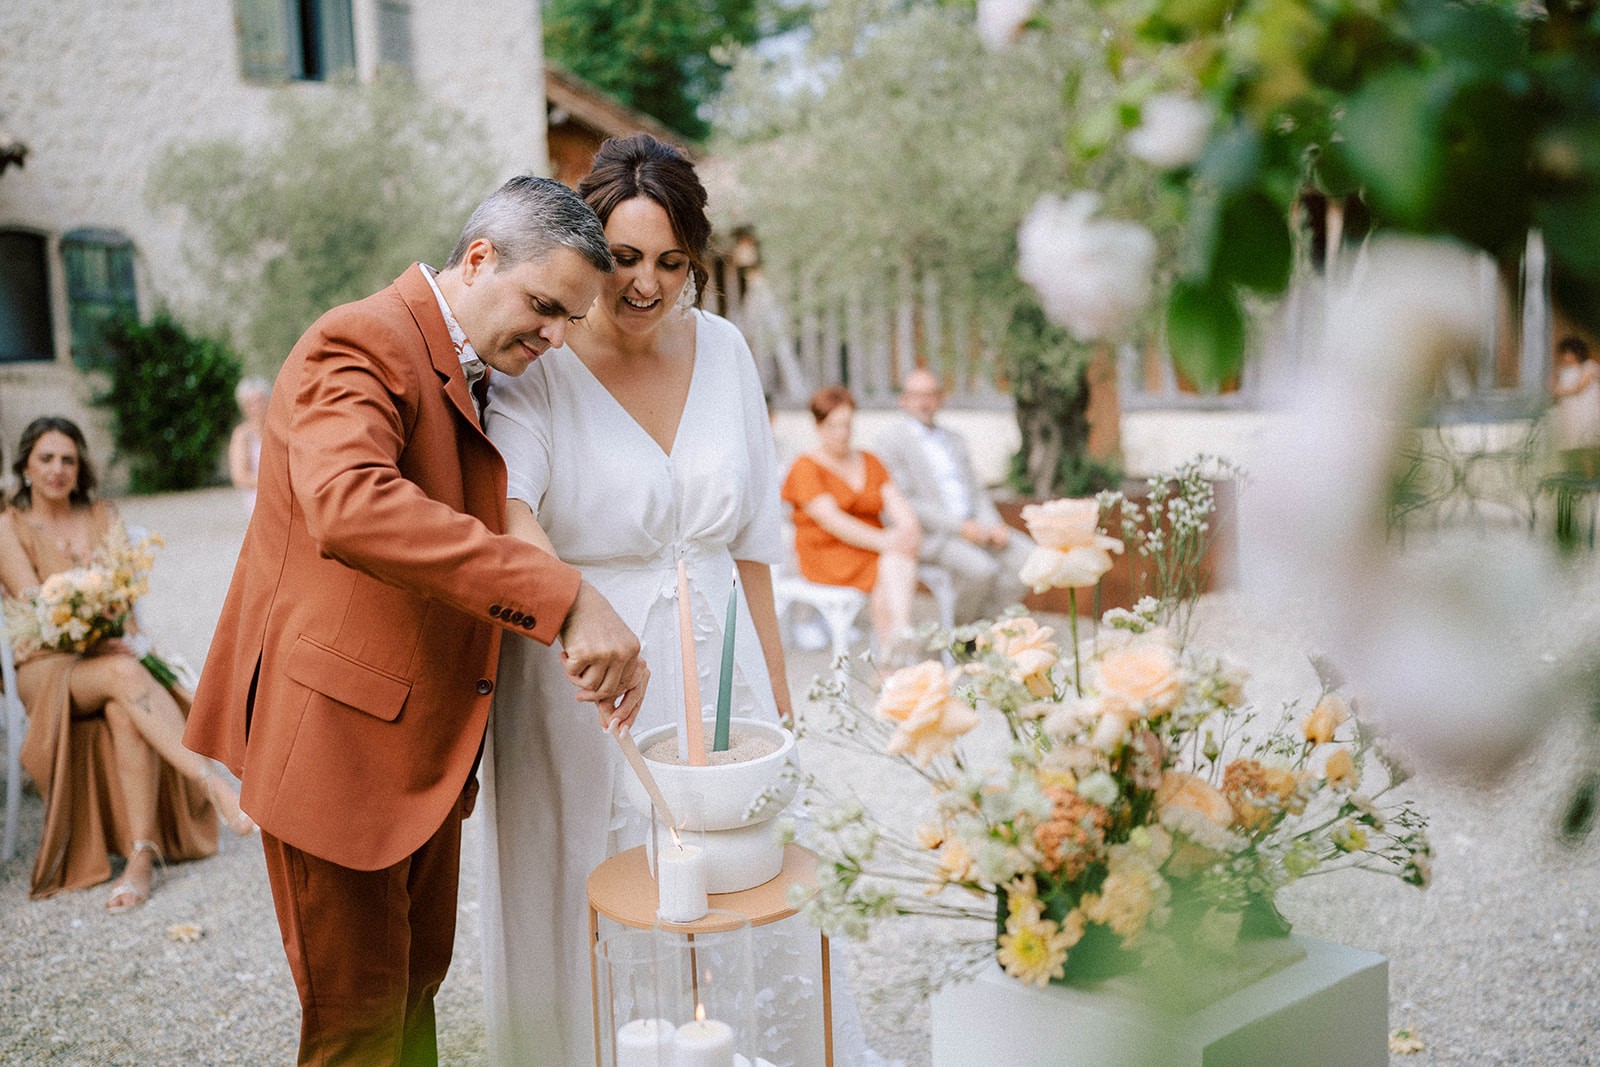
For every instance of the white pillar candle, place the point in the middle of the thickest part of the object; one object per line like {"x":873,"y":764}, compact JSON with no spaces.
{"x":705,"y":1043}
{"x":681,"y":884}
{"x":646,"y":1043}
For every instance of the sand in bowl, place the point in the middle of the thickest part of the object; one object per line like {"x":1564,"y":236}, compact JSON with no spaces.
{"x":743,"y":746}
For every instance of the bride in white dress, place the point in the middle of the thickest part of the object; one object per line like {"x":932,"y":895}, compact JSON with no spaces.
{"x":643,"y":441}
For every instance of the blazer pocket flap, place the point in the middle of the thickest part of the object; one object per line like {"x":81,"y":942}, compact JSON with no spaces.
{"x":338,"y":677}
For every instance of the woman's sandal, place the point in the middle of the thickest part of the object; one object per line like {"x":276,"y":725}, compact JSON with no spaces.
{"x":239,"y":823}
{"x":132,"y":896}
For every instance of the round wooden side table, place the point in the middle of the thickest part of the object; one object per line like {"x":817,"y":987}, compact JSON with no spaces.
{"x":623,"y":890}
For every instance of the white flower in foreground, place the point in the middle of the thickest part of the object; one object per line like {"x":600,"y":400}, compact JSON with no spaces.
{"x":1000,"y":22}
{"x":1172,"y":132}
{"x":1093,"y":276}
{"x":1051,"y":568}
{"x":1441,"y":635}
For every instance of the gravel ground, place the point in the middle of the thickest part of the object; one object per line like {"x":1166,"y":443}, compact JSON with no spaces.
{"x":1495,"y":964}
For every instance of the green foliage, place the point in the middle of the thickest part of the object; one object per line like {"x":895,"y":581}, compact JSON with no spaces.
{"x":170,"y":395}
{"x":1471,"y":120}
{"x":350,"y":188}
{"x":903,"y":143}
{"x":917,"y":148}
{"x":665,"y":58}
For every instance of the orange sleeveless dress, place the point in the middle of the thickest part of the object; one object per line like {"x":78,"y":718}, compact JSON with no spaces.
{"x":823,"y":557}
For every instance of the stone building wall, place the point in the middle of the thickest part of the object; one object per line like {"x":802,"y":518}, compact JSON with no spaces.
{"x":98,"y":90}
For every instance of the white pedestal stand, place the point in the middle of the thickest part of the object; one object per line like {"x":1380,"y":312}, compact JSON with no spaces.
{"x":1329,"y":1009}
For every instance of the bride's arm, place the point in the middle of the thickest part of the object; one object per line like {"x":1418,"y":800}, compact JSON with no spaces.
{"x":521,"y":523}
{"x":757,"y":581}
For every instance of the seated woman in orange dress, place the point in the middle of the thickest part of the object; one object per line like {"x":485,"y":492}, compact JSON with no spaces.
{"x":841,"y":498}
{"x":104,"y":742}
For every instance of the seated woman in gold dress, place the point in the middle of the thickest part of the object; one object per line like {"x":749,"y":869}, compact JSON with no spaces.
{"x":104,"y":742}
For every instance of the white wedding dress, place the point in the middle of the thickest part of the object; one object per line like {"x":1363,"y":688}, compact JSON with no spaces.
{"x":623,"y":511}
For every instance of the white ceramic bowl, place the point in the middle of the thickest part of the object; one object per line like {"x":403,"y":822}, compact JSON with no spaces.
{"x":719,"y":797}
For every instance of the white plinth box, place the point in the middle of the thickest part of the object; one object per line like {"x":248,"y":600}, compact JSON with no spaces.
{"x":1329,"y":1009}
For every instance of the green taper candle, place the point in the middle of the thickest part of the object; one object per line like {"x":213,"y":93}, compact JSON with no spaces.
{"x":719,"y":743}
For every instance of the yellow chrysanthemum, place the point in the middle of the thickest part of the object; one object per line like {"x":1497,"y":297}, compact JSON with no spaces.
{"x":1034,"y":949}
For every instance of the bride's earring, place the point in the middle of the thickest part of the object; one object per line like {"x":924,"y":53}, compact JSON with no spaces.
{"x":687,"y":294}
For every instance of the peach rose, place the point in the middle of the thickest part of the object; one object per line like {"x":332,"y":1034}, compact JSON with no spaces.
{"x":931,"y":718}
{"x":1180,"y":790}
{"x":1029,"y":648}
{"x":1068,"y":524}
{"x":1142,"y":673}
{"x":1325,"y":719}
{"x":1340,"y":770}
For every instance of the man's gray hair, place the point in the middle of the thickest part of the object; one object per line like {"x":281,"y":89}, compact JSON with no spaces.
{"x":528,"y":218}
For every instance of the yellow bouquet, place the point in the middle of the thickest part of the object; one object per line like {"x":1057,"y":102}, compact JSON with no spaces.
{"x":74,"y":610}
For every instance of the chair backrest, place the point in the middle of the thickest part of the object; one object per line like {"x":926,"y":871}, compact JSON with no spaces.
{"x":8,"y":663}
{"x":15,"y":724}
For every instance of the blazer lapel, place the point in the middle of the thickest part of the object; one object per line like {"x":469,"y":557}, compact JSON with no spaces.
{"x":418,"y":295}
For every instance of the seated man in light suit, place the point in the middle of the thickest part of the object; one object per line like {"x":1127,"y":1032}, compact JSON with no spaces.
{"x":961,"y":531}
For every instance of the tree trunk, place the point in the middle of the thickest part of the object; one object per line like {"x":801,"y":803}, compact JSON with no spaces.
{"x":1054,"y":422}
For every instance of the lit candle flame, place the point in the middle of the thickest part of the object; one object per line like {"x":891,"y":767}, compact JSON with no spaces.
{"x":699,"y":1013}
{"x":677,"y":842}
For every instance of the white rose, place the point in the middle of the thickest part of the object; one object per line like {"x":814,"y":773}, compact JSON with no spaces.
{"x":1093,"y":276}
{"x":1172,"y":132}
{"x":1051,"y":568}
{"x":1000,"y":22}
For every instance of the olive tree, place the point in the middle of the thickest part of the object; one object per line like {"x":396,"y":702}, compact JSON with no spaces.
{"x":350,"y":188}
{"x":903,"y":140}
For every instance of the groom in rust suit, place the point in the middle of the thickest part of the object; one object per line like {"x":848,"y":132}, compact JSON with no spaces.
{"x":348,"y":683}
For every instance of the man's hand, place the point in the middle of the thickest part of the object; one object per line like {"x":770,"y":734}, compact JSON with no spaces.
{"x":600,"y":654}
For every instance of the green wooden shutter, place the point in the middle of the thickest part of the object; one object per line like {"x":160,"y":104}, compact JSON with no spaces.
{"x":100,"y":289}
{"x":337,"y":38}
{"x":263,"y":39}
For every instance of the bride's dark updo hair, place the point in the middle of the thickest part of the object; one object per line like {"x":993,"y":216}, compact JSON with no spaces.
{"x":640,"y":165}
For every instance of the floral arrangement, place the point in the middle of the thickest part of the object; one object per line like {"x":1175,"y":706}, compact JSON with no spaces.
{"x":1127,"y":802}
{"x":76,"y":609}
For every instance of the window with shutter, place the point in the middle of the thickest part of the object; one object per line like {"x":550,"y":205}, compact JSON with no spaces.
{"x":25,"y":332}
{"x":394,"y":36}
{"x":304,"y":40}
{"x":334,"y":39}
{"x":100,"y":288}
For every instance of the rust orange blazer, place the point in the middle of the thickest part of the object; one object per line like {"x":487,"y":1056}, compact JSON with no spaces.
{"x":348,"y":680}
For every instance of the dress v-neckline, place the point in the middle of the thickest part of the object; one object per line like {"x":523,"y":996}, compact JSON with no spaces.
{"x":866,"y":474}
{"x":688,"y":396}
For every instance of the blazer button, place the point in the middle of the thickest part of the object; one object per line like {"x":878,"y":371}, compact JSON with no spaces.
{"x":527,"y":622}
{"x":515,"y":617}
{"x":485,"y":687}
{"x":494,"y":612}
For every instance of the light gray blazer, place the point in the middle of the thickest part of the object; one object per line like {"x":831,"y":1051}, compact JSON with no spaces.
{"x":900,"y":447}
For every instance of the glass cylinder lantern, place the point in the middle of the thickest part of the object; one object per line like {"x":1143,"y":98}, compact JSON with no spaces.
{"x":707,"y":988}
{"x":636,"y":1029}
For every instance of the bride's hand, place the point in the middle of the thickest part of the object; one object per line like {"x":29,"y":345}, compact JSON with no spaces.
{"x":619,"y":715}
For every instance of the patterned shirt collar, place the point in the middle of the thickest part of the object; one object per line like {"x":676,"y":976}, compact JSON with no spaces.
{"x":471,"y":365}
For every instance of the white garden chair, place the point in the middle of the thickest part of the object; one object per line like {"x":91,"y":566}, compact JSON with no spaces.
{"x":16,"y":726}
{"x":839,"y":606}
